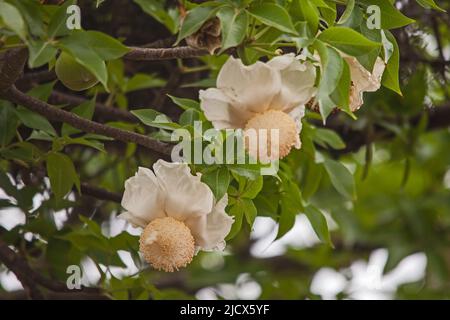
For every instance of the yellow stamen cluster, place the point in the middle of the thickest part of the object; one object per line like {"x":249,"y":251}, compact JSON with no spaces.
{"x":167,"y":244}
{"x":271,"y":119}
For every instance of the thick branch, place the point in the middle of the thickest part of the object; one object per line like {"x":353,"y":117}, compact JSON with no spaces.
{"x":57,"y":97}
{"x":55,"y":114}
{"x":21,"y":269}
{"x":30,"y":278}
{"x":100,"y":193}
{"x":11,"y":67}
{"x":38,"y":76}
{"x":76,"y":295}
{"x":142,"y":54}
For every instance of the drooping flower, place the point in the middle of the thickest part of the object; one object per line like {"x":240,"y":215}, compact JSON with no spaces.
{"x":363,"y":80}
{"x":268,"y":96}
{"x":178,"y":213}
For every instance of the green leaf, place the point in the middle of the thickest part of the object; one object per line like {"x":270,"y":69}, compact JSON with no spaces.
{"x":155,"y":119}
{"x":86,"y":56}
{"x":33,"y":14}
{"x":312,"y":179}
{"x":368,"y":60}
{"x":237,"y":212}
{"x":218,"y":181}
{"x":250,"y":211}
{"x":348,"y":12}
{"x":13,"y":19}
{"x":291,"y":204}
{"x":252,"y":188}
{"x":391,"y":17}
{"x":84,"y":110}
{"x":341,"y":95}
{"x":83,"y":141}
{"x":348,"y":40}
{"x":250,"y":171}
{"x":42,"y":92}
{"x":234,"y":25}
{"x":92,"y":225}
{"x":156,"y":9}
{"x":185,"y":104}
{"x":306,"y":10}
{"x":341,"y":178}
{"x":104,"y":45}
{"x":141,"y":81}
{"x":273,"y":15}
{"x":430,"y":4}
{"x":62,"y":174}
{"x":41,"y":52}
{"x":34,"y":121}
{"x":8,"y":123}
{"x":391,"y":75}
{"x":328,"y":137}
{"x":328,"y":12}
{"x":57,"y":26}
{"x":194,"y":19}
{"x":332,"y":66}
{"x":287,"y":216}
{"x":318,"y":223}
{"x":189,"y":116}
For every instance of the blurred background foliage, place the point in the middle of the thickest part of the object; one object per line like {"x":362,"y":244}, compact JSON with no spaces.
{"x":380,"y":181}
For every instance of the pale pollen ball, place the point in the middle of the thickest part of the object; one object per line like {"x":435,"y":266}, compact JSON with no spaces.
{"x":167,"y":244}
{"x":271,"y":119}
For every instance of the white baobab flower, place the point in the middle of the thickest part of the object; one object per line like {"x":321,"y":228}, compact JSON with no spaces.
{"x":178,"y":213}
{"x":267,"y":96}
{"x":363,"y":80}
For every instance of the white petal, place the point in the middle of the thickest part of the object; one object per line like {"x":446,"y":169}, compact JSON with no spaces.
{"x":364,"y":80}
{"x":143,"y":197}
{"x":218,"y":109}
{"x":297,"y":114}
{"x":377,"y":74}
{"x":185,"y":195}
{"x":356,"y":98}
{"x":297,"y":82}
{"x":133,"y":220}
{"x":252,"y":87}
{"x":210,"y":231}
{"x":282,"y":62}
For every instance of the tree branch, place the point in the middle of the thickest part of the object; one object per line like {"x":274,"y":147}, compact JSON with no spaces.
{"x":55,"y":114}
{"x":438,"y":118}
{"x":100,"y":193}
{"x":39,"y":76}
{"x":76,"y":295}
{"x":57,"y":97}
{"x":11,"y":67}
{"x":144,"y":54}
{"x":29,"y":278}
{"x":20,"y":269}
